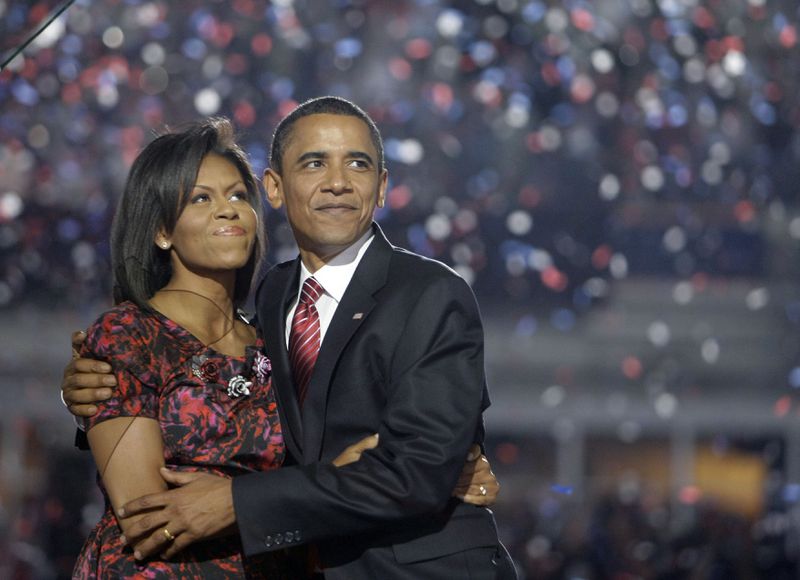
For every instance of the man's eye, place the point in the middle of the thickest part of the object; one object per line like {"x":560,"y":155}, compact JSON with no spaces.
{"x":359,"y":163}
{"x":314,"y":164}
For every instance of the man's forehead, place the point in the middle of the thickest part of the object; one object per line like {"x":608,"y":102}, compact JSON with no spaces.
{"x":312,"y":128}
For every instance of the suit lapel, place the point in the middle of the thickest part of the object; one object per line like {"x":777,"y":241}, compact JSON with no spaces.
{"x":357,"y":303}
{"x":277,"y":290}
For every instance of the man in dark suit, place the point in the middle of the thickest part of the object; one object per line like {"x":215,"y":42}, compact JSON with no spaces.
{"x":397,"y":349}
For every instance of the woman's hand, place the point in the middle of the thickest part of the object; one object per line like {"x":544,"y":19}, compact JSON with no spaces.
{"x":477,"y":484}
{"x":353,"y":453}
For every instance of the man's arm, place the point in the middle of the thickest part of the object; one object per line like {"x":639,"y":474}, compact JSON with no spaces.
{"x":202,"y":505}
{"x":434,"y":388}
{"x":85,"y":381}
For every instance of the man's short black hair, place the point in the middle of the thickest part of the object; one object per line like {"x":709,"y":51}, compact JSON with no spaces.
{"x":327,"y":105}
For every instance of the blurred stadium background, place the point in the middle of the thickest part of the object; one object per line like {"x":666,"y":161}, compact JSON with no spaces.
{"x":618,"y":180}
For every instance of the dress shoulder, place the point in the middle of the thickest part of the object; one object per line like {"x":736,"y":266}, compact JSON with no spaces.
{"x":126,"y":337}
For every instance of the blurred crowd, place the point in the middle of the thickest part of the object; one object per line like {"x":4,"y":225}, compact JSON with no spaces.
{"x":540,"y":148}
{"x":624,"y":536}
{"x":624,"y":533}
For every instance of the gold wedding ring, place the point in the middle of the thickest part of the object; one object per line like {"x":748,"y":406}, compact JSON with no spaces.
{"x":167,"y":535}
{"x":482,"y":488}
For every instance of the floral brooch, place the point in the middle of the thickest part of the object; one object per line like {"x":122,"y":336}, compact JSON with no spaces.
{"x":205,"y":370}
{"x":239,"y":386}
{"x":262,"y":367}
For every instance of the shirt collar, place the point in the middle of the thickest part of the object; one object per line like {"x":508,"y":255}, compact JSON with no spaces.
{"x":335,"y":276}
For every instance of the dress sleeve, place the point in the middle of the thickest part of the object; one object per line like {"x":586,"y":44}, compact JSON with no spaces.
{"x":122,"y":339}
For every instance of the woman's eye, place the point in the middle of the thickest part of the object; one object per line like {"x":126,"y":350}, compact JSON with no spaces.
{"x":240,"y":196}
{"x":200,"y":197}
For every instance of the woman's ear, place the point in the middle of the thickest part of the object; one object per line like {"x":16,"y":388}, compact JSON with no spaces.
{"x":162,"y":241}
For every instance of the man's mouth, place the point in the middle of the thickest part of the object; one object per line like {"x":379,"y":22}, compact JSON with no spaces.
{"x":335,"y":208}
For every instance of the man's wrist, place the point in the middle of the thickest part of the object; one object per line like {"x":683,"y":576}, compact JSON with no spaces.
{"x":80,"y":422}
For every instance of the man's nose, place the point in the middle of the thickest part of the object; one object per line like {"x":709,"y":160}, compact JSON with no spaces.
{"x":338,"y":181}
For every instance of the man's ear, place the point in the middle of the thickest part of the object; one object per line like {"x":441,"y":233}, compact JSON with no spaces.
{"x":274,"y":188}
{"x":382,"y":185}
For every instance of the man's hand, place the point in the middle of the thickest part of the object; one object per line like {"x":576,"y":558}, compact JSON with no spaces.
{"x":477,"y":483}
{"x":85,"y":381}
{"x":200,"y":507}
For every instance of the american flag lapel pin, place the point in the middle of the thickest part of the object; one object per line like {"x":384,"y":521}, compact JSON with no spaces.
{"x":358,"y":316}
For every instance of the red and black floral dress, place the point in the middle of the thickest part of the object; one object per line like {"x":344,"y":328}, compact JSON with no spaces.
{"x":217,"y":414}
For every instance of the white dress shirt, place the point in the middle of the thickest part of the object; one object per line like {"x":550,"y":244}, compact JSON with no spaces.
{"x":334,"y":277}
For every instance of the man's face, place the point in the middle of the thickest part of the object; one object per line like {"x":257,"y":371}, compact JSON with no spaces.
{"x":330,"y":184}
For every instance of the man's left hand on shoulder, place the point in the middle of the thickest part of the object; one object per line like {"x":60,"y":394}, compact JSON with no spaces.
{"x":201,"y":506}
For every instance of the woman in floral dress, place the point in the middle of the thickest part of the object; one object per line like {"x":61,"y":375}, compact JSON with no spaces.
{"x":194,"y":388}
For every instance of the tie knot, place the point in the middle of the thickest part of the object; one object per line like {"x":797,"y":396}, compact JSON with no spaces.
{"x":311,"y":291}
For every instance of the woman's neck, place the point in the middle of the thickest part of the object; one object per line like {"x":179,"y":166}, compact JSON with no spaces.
{"x":205,"y":309}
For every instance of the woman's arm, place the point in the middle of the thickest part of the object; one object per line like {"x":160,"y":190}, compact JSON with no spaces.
{"x":477,"y":483}
{"x":128,"y":452}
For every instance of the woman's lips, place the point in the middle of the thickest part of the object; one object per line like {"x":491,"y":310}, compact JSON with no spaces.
{"x":230,"y":231}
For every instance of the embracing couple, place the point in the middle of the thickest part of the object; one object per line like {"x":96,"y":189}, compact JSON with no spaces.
{"x":362,"y":376}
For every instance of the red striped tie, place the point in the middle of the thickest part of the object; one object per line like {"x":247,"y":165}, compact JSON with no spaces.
{"x":304,"y":339}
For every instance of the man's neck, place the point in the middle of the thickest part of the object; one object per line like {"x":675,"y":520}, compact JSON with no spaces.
{"x":314,"y":260}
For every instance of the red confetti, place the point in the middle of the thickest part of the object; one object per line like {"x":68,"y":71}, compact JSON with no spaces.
{"x":550,"y":74}
{"x":782,"y":406}
{"x":744,"y":211}
{"x":244,"y":113}
{"x":582,"y":89}
{"x":261,"y":44}
{"x":632,"y":367}
{"x":690,"y":494}
{"x":582,"y":19}
{"x":400,"y":69}
{"x":287,"y":107}
{"x":699,"y":281}
{"x":529,"y":196}
{"x":236,"y":64}
{"x":788,"y":36}
{"x":554,"y":279}
{"x":601,"y":257}
{"x":71,"y":93}
{"x":418,"y":48}
{"x":442,"y":96}
{"x":507,"y":453}
{"x":703,"y":18}
{"x":399,"y":197}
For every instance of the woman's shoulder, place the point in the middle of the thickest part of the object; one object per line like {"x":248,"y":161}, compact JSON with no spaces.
{"x":122,"y":326}
{"x":125,"y":316}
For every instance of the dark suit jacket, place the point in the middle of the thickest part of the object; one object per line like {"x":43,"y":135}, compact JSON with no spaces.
{"x":403,"y":357}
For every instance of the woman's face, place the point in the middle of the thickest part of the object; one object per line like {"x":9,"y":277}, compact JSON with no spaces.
{"x":217,"y":228}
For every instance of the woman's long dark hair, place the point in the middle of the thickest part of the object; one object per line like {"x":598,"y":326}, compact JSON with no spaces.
{"x":157,"y":190}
